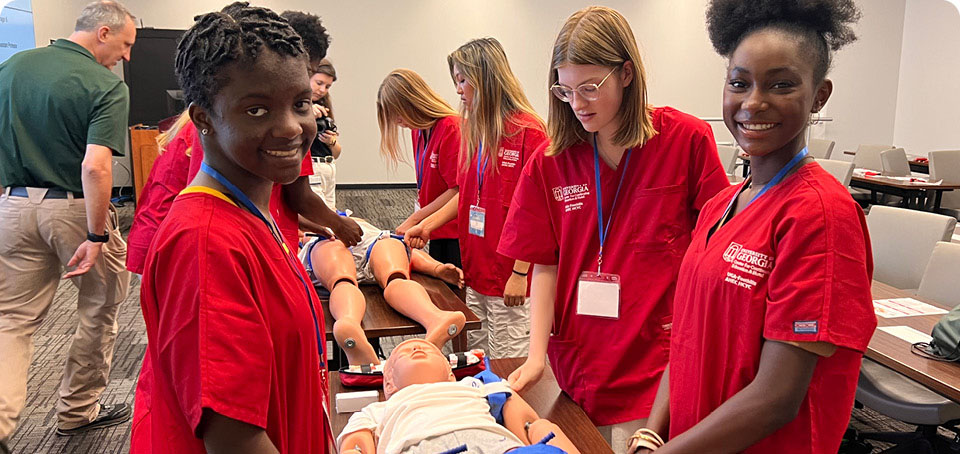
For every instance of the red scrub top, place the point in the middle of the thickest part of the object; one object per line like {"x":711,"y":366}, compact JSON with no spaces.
{"x":612,"y":367}
{"x":229,"y":329}
{"x":485,"y":270}
{"x":794,"y":266}
{"x":168,"y":177}
{"x":285,"y":216}
{"x":437,"y":166}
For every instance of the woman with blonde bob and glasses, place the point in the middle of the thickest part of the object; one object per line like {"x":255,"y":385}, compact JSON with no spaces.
{"x":500,"y":134}
{"x":606,"y":215}
{"x":406,"y":101}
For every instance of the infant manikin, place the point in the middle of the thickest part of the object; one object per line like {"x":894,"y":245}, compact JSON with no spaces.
{"x":428,"y":411}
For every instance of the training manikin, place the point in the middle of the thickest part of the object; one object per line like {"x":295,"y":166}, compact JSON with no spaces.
{"x":383,"y":259}
{"x":428,"y":411}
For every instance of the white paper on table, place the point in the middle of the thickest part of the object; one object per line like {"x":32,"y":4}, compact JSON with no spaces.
{"x":904,"y":307}
{"x":907,"y":333}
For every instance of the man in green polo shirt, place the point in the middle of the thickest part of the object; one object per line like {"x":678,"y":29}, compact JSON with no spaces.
{"x":63,"y":113}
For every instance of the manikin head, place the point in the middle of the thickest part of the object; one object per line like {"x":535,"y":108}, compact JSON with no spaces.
{"x":415,"y":362}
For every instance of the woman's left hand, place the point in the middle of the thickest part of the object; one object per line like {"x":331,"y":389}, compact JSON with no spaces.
{"x":329,"y":138}
{"x":515,"y":292}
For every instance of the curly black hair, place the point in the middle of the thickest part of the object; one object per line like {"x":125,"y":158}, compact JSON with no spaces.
{"x":309,"y":27}
{"x":819,"y":25}
{"x":237,"y":33}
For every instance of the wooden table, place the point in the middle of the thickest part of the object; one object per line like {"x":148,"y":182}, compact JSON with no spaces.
{"x":381,"y":320}
{"x":895,"y":353}
{"x":545,"y":397}
{"x":909,"y":191}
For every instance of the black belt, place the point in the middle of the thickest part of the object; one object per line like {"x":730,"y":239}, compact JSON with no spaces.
{"x":52,"y":193}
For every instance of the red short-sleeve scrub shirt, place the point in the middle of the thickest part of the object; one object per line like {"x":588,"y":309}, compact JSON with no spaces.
{"x":611,"y":367}
{"x":229,"y":329}
{"x":437,"y":166}
{"x":793,"y":266}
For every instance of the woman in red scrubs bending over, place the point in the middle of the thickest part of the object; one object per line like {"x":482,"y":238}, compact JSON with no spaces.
{"x":232,"y":321}
{"x":406,"y":101}
{"x":605,"y":215}
{"x":773,"y":308}
{"x":499,"y":135}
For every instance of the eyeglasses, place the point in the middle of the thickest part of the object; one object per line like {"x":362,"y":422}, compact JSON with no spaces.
{"x":590,"y":92}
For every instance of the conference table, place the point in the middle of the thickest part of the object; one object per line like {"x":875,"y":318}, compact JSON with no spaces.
{"x":909,"y":190}
{"x":544,"y":397}
{"x":895,"y":353}
{"x":381,"y":320}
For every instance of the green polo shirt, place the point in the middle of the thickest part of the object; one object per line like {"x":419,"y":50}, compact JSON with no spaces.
{"x":53,"y":102}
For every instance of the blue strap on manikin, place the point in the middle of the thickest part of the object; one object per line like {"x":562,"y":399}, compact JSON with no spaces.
{"x":366,"y":256}
{"x":278,"y":237}
{"x":496,"y":400}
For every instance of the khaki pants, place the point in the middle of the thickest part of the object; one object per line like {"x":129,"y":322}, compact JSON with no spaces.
{"x":506,"y":330}
{"x":37,"y":238}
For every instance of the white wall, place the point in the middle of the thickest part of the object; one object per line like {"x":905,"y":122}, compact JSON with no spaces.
{"x":928,"y":101}
{"x":370,"y":38}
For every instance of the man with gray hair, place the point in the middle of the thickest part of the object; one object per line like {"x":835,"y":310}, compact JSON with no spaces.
{"x":64,"y":114}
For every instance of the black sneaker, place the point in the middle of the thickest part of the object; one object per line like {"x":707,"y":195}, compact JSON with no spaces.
{"x":110,"y":415}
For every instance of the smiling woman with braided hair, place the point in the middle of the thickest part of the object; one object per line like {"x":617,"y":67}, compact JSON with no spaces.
{"x":232,"y":322}
{"x":772,"y":311}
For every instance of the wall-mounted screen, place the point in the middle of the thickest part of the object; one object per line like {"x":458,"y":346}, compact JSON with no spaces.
{"x":16,"y":28}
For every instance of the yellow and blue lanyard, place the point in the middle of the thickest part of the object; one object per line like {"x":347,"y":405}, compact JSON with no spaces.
{"x":278,"y":237}
{"x":601,"y":229}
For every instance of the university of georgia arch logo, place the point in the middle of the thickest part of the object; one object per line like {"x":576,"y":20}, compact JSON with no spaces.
{"x":731,"y":253}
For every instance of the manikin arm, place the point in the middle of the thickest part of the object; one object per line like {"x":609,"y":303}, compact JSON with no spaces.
{"x":517,"y":414}
{"x":362,"y":439}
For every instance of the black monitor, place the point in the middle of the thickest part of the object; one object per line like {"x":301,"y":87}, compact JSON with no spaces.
{"x":150,"y":76}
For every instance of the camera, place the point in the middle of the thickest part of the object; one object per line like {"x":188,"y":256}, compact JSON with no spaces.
{"x":325,"y":124}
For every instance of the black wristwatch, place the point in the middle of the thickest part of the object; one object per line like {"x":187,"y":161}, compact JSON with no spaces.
{"x":94,"y":238}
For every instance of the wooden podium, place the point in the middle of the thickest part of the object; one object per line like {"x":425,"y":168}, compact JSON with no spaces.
{"x":144,"y":150}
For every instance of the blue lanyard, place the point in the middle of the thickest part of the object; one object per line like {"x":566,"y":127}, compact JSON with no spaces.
{"x":278,"y":237}
{"x":773,"y":182}
{"x":603,"y":231}
{"x":421,"y":159}
{"x":481,"y":172}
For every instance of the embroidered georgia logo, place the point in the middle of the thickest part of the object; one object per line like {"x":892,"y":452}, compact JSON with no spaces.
{"x":731,"y":253}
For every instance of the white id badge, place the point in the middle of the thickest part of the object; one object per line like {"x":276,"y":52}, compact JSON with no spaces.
{"x":416,"y":206}
{"x":598,"y":295}
{"x":478,"y":217}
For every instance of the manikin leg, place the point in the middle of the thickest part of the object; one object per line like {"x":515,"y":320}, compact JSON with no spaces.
{"x":334,"y":266}
{"x":391,"y":267}
{"x":422,"y":263}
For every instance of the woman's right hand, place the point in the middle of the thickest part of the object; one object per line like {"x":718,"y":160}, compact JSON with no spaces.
{"x":320,"y":111}
{"x":417,"y":236}
{"x":406,"y":225}
{"x":528,"y":374}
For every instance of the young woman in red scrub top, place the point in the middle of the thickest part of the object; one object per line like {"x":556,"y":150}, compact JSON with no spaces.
{"x":500,"y":134}
{"x":406,"y":101}
{"x":605,"y":214}
{"x":773,"y":308}
{"x":235,"y":346}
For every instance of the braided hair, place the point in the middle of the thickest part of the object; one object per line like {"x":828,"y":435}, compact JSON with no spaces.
{"x":236,"y":34}
{"x":821,"y":26}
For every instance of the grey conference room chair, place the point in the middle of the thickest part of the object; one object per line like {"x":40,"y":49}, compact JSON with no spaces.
{"x":901,"y":398}
{"x":868,"y":156}
{"x":820,"y":148}
{"x":903,"y":241}
{"x":945,"y":165}
{"x":841,"y":170}
{"x":894,"y":162}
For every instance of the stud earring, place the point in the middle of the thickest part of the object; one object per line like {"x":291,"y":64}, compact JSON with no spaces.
{"x":204,"y":131}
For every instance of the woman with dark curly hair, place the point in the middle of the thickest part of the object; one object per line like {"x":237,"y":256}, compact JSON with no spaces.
{"x":773,"y":309}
